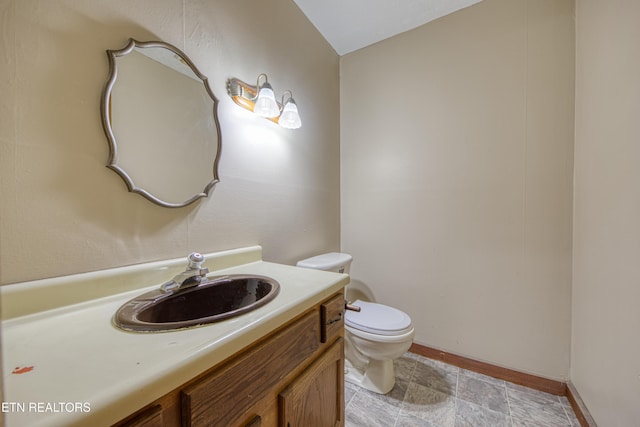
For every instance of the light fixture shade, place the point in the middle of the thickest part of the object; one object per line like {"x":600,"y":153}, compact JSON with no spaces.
{"x":266,"y":105}
{"x":290,"y":118}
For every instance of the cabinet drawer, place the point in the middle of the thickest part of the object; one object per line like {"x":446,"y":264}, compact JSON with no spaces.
{"x":151,"y":417}
{"x":226,"y":397}
{"x":331,"y":318}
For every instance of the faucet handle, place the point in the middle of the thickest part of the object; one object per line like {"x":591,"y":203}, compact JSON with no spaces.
{"x":195,"y":261}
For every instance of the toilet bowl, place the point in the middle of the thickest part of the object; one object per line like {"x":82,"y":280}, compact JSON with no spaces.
{"x":374,"y":336}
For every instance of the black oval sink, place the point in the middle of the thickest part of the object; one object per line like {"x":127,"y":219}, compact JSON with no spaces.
{"x":217,"y":299}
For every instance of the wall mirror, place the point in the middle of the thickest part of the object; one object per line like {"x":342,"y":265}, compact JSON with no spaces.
{"x":160,"y":117}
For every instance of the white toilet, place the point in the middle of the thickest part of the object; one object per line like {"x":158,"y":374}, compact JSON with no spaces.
{"x":374,"y":336}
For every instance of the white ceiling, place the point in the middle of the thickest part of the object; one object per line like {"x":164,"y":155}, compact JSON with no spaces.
{"x":350,"y":25}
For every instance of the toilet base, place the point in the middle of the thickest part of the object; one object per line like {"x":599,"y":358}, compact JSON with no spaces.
{"x":378,"y":377}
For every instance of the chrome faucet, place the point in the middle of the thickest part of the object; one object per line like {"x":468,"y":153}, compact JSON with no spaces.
{"x":192,"y":276}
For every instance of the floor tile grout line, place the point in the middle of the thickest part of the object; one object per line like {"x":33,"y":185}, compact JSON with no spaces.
{"x":413,"y":370}
{"x":455,"y":397}
{"x":506,"y":395}
{"x":351,"y":400}
{"x":564,"y":408}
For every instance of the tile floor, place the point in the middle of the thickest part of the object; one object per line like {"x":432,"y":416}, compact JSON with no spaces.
{"x":430,"y":393}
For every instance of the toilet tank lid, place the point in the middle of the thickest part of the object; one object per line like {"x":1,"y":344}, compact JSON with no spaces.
{"x":326,"y":261}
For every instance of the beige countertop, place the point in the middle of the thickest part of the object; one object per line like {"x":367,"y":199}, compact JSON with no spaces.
{"x":68,"y":365}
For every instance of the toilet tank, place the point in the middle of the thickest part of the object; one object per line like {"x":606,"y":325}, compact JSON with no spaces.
{"x":333,"y":261}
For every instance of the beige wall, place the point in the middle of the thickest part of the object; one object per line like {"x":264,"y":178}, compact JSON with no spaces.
{"x":605,"y":362}
{"x":456,"y":148}
{"x":62,"y":211}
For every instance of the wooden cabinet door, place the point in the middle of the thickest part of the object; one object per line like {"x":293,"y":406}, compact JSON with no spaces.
{"x":316,"y":397}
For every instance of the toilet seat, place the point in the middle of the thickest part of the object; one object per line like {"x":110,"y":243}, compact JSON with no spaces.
{"x":378,"y":319}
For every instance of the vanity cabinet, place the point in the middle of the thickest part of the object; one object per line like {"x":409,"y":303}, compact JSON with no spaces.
{"x":294,"y":377}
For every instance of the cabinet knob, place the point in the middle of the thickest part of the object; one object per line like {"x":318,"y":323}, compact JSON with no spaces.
{"x":337,"y":319}
{"x":255,"y":422}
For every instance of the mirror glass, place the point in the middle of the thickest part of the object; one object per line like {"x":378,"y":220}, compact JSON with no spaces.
{"x":160,"y":117}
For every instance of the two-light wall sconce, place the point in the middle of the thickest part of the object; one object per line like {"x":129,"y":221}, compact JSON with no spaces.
{"x":261,"y":100}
